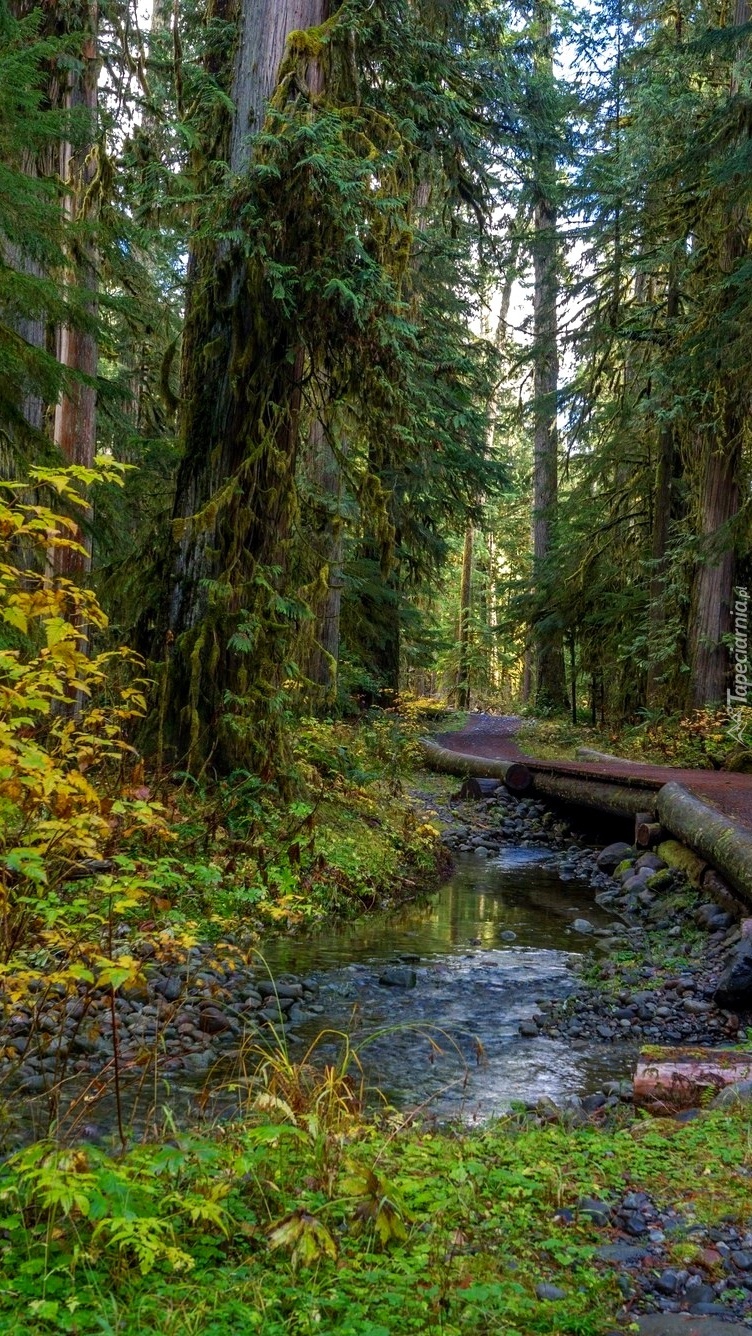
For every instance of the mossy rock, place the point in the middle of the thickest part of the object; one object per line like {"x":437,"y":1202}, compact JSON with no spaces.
{"x":624,"y":864}
{"x":679,"y":857}
{"x":661,"y":881}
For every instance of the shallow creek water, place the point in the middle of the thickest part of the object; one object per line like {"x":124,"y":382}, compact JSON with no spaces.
{"x":452,"y":1042}
{"x":487,"y":949}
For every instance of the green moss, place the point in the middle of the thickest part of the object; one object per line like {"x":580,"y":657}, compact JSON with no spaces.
{"x":660,"y":881}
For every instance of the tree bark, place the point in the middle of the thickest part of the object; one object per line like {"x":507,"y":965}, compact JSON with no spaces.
{"x":550,"y":682}
{"x":75,"y":426}
{"x":325,"y":476}
{"x":669,"y":1079}
{"x":714,"y":579}
{"x":466,"y":591}
{"x":226,"y":639}
{"x":719,"y":496}
{"x":662,"y":506}
{"x":265,"y":26}
{"x":708,"y":833}
{"x":516,"y":776}
{"x":615,"y":799}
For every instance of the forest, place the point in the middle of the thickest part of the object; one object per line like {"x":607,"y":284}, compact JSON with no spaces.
{"x":365,"y":367}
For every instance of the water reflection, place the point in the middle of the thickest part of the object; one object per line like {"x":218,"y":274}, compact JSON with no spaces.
{"x":453,"y":1039}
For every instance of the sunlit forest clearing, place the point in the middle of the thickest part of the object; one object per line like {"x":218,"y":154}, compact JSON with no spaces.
{"x":372,"y":372}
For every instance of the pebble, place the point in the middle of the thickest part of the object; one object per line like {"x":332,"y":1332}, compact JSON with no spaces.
{"x":213,"y":995}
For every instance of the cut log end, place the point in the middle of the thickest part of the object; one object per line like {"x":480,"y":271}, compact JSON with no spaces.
{"x":518,"y":778}
{"x":648,"y":833}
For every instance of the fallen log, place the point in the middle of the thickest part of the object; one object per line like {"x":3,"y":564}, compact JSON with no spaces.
{"x":474,"y":789}
{"x":669,"y":1079}
{"x":716,"y":838}
{"x":514,"y":774}
{"x":613,"y":798}
{"x":648,"y":833}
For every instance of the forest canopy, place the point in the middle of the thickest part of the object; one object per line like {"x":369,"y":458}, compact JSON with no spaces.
{"x":422,"y":331}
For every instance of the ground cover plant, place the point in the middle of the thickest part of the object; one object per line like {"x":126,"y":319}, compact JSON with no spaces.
{"x":311,"y":1219}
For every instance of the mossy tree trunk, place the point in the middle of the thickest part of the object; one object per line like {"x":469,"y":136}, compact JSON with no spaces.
{"x":325,"y":480}
{"x":719,"y":456}
{"x":228,"y":629}
{"x":75,"y":424}
{"x":550,"y":683}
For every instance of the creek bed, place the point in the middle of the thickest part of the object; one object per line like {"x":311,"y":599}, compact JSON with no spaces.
{"x":493,"y":945}
{"x":452,"y":1041}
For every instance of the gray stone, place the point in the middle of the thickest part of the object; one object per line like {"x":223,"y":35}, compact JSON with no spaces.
{"x":651,"y":861}
{"x":508,"y":936}
{"x":582,"y":925}
{"x":199,"y":1062}
{"x":398,"y":976}
{"x":614,"y":854}
{"x":635,"y":885}
{"x":621,"y":1253}
{"x":742,"y":1259}
{"x":667,"y":1283}
{"x":598,"y":1211}
{"x":270,"y":988}
{"x":735,"y":984}
{"x":550,"y":1292}
{"x":169,"y":988}
{"x":212,"y":1021}
{"x":528,"y":1029}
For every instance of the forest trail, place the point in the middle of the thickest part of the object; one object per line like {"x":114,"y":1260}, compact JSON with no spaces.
{"x":494,"y":737}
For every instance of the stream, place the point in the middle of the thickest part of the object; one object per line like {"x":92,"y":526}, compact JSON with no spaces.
{"x":452,"y":1041}
{"x":468,"y":968}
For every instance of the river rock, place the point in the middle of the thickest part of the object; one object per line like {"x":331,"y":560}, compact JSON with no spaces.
{"x":272,"y":988}
{"x":550,"y":1292}
{"x":398,"y":976}
{"x":735,"y":984}
{"x":212,"y":1021}
{"x":614,"y":854}
{"x":583,"y":925}
{"x":651,"y":861}
{"x":738,"y":1093}
{"x":169,"y":988}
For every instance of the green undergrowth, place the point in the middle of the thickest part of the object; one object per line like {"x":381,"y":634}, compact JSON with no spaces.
{"x":349,"y":843}
{"x":312,"y":1221}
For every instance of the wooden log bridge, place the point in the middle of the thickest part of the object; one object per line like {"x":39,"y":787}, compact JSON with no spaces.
{"x":710,"y":812}
{"x":514,"y":774}
{"x":720,"y":840}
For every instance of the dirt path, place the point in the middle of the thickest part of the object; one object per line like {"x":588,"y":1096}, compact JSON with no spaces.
{"x":494,"y":737}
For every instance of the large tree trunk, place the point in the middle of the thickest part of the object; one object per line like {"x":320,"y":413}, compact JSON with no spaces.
{"x":550,"y":685}
{"x":719,"y":495}
{"x":75,"y":414}
{"x":713,"y":589}
{"x":325,"y":477}
{"x":720,"y":840}
{"x":227,"y":636}
{"x":466,"y":592}
{"x":662,"y":506}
